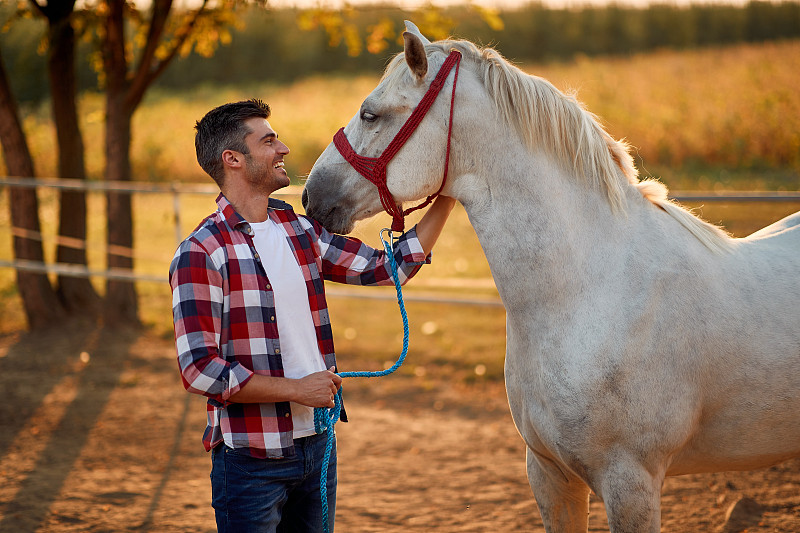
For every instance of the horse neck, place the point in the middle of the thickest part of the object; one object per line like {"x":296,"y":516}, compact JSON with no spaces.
{"x":546,"y":235}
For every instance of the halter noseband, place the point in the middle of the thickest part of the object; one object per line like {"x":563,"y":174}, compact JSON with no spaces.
{"x":374,"y":168}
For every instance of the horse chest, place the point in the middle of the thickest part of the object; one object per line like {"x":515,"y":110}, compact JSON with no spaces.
{"x":547,"y":398}
{"x":566,"y":391}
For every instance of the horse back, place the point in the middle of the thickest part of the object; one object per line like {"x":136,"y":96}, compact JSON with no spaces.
{"x":790,"y":223}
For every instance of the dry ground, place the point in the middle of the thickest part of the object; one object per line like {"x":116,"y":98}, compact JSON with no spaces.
{"x":97,"y":434}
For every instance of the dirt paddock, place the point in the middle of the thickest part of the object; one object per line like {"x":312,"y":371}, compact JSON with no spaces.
{"x":97,"y":434}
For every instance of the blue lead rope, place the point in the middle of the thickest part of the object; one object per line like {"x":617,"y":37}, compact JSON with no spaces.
{"x":325,"y":418}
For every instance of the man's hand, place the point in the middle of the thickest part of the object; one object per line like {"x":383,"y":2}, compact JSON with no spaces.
{"x":318,"y":389}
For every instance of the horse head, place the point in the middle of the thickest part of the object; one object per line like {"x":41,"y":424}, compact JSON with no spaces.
{"x":337,"y":193}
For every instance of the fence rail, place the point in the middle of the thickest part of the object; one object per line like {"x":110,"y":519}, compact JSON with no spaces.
{"x":736,"y":196}
{"x":132,"y":187}
{"x":294,"y":190}
{"x":179,"y":189}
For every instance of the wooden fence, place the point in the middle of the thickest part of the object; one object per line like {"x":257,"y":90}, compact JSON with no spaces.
{"x":178,"y":190}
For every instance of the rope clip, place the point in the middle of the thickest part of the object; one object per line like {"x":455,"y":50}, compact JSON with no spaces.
{"x":391,"y":240}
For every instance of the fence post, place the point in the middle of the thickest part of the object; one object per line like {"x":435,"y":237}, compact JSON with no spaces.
{"x":176,"y":208}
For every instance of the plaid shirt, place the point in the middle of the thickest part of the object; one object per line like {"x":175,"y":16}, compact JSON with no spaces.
{"x":224,"y":314}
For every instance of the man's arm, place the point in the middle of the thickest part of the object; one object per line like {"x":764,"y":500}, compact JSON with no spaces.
{"x":197,"y":307}
{"x":430,"y":226}
{"x":348,"y":260}
{"x":314,"y":390}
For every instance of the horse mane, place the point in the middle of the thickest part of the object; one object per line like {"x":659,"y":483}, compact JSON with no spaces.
{"x":557,"y":123}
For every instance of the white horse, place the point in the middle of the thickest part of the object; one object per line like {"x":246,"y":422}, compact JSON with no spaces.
{"x":642,"y":342}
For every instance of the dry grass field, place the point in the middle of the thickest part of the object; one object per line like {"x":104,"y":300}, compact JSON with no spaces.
{"x":734,"y":107}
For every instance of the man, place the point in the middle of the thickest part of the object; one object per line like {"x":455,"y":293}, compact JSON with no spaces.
{"x":252,"y":329}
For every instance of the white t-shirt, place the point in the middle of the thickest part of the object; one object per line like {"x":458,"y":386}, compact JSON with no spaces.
{"x":299,"y":350}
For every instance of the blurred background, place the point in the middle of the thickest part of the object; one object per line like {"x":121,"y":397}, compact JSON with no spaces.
{"x":706,"y":93}
{"x":708,"y":89}
{"x":99,"y":183}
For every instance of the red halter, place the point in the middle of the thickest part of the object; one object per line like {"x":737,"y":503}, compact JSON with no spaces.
{"x":374,"y":168}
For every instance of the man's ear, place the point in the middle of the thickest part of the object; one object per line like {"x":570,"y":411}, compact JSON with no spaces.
{"x":232,"y":158}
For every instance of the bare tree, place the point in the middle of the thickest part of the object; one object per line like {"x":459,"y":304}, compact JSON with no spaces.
{"x":126,"y":81}
{"x":42,"y":307}
{"x":76,"y":293}
{"x":135,"y":45}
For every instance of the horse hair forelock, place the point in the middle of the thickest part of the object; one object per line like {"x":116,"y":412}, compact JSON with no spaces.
{"x":558,"y":124}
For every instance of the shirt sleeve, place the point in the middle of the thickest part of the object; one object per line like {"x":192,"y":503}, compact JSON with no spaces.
{"x":348,"y":260}
{"x":197,"y":309}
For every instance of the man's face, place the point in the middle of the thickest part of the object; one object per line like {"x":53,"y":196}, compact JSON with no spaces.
{"x":264,"y":163}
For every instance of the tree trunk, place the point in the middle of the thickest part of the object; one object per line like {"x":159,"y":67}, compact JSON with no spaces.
{"x":42,"y":308}
{"x":121,"y":306}
{"x":77,"y":294}
{"x":124,"y":92}
{"x":121,"y":303}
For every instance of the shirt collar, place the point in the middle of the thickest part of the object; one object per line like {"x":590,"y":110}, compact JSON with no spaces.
{"x":228,"y":213}
{"x":235,"y":220}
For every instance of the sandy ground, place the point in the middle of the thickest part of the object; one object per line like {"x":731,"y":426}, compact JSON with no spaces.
{"x":97,"y":434}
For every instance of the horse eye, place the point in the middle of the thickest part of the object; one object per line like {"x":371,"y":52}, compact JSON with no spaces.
{"x":368,"y":117}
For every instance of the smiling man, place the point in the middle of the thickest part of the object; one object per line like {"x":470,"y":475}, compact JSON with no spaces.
{"x":252,"y":329}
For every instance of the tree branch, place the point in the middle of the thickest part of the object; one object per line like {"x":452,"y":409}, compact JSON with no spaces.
{"x":149,"y":69}
{"x":182,"y":35}
{"x":114,"y":62}
{"x":42,"y":9}
{"x":155,"y":31}
{"x":54,"y":10}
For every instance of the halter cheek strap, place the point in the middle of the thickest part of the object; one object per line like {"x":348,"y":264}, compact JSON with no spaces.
{"x":374,"y":168}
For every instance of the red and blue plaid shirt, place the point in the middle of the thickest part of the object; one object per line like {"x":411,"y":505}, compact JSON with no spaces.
{"x":224,"y":314}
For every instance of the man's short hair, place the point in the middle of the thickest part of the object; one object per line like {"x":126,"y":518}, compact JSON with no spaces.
{"x":223,"y":128}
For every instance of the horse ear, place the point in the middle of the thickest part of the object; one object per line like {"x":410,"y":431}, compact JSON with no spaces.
{"x":415,"y":55}
{"x":412,"y":28}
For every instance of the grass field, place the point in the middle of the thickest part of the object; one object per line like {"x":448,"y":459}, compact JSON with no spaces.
{"x":708,"y":120}
{"x":735,"y":108}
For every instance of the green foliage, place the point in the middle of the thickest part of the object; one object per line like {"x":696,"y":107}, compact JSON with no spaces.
{"x":538,"y":33}
{"x":282,"y":45}
{"x":269,"y":48}
{"x":20,"y":39}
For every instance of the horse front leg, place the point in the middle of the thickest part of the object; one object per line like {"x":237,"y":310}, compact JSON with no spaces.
{"x":632,"y":497}
{"x":562,"y":497}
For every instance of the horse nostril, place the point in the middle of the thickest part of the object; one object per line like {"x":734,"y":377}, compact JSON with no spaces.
{"x":304,"y":199}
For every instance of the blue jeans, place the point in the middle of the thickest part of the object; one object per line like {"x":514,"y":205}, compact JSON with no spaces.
{"x":272,"y":495}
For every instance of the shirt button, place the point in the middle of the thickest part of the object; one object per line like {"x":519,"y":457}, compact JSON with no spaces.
{"x":272,"y":318}
{"x":269,"y":287}
{"x":286,"y":415}
{"x":277,"y":351}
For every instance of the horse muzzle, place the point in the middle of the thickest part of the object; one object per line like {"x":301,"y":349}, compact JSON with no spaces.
{"x":326,"y":205}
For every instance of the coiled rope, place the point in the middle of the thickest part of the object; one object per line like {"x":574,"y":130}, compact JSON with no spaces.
{"x":324,"y":417}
